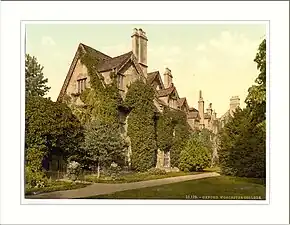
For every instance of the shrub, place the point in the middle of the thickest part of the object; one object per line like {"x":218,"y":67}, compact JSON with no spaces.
{"x":73,"y":170}
{"x":35,"y":179}
{"x":156,"y":171}
{"x":195,"y":156}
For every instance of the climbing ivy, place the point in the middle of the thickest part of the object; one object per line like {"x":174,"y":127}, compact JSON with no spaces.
{"x":101,"y":101}
{"x":181,"y":135}
{"x":165,"y":130}
{"x":141,"y":125}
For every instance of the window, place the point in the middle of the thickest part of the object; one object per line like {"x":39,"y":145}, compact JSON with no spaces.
{"x":82,"y":85}
{"x":120,"y":82}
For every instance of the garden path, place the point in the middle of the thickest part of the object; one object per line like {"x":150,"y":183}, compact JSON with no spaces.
{"x":103,"y":189}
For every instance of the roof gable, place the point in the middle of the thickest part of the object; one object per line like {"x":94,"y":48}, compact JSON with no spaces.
{"x":114,"y":63}
{"x":155,"y":76}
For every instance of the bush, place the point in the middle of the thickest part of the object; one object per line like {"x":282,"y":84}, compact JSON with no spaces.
{"x":73,"y":170}
{"x":156,"y":171}
{"x":35,"y":179}
{"x":195,"y":156}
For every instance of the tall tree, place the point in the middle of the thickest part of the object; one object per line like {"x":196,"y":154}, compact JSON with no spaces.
{"x":256,"y":99}
{"x":103,"y":145}
{"x":35,"y":83}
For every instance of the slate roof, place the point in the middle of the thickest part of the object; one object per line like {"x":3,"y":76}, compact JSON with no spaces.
{"x":97,"y":54}
{"x":115,"y":62}
{"x":181,"y":101}
{"x":151,"y":76}
{"x":165,"y":92}
{"x":193,"y":109}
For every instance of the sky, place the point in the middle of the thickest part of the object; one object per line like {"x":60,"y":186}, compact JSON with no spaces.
{"x":214,"y":58}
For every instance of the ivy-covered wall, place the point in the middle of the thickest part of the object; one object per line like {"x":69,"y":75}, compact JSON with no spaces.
{"x":141,"y":125}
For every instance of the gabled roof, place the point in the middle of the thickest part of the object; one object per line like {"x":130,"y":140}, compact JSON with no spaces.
{"x":193,"y":109}
{"x":181,"y":101}
{"x":165,"y":92}
{"x":97,"y":54}
{"x":115,"y":62}
{"x":154,"y":76}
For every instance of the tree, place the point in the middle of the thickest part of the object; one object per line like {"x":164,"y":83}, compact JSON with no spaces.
{"x":256,"y":99}
{"x":196,"y":155}
{"x":243,"y":147}
{"x":35,"y":83}
{"x":103,"y":144}
{"x":51,"y":127}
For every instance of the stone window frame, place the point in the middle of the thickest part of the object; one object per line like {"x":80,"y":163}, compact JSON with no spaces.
{"x":81,"y":85}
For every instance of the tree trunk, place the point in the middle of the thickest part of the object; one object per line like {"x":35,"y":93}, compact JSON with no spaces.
{"x":98,"y":169}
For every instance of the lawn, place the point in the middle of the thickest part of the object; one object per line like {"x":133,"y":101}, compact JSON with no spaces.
{"x":214,"y":188}
{"x":134,"y":177}
{"x":55,"y":186}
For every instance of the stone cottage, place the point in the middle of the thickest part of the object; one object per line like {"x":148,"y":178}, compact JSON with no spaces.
{"x":129,"y":67}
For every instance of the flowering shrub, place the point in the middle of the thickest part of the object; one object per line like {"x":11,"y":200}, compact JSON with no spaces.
{"x":73,"y":170}
{"x":34,"y":179}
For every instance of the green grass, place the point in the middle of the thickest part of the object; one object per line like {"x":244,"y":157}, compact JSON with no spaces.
{"x":220,"y":188}
{"x":134,"y":177}
{"x":55,"y":186}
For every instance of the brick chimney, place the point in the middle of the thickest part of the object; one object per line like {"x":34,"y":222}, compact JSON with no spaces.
{"x":167,"y":78}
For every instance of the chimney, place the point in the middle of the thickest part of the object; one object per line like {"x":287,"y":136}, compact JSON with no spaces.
{"x":139,"y":48}
{"x":209,"y":109}
{"x":234,"y":104}
{"x":201,"y":108}
{"x":167,"y":78}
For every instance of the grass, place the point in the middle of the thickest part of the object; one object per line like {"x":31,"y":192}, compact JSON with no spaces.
{"x":219,"y":188}
{"x":55,"y":186}
{"x":134,"y":177}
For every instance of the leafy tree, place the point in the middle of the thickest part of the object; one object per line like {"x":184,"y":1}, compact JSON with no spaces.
{"x":243,"y":147}
{"x":141,"y":125}
{"x":103,"y":144}
{"x":35,"y":83}
{"x":196,"y":155}
{"x":256,"y":99}
{"x":51,"y":127}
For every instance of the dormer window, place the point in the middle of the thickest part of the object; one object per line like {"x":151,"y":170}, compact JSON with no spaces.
{"x":82,"y":84}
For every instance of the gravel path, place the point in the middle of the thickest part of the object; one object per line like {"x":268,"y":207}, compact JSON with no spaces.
{"x":102,"y":189}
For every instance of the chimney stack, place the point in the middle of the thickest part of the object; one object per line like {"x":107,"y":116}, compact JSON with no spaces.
{"x":167,"y":78}
{"x":139,"y":48}
{"x":234,"y":104}
{"x":201,"y":109}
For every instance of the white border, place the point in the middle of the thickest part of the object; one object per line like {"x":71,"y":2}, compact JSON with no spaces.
{"x":14,"y":213}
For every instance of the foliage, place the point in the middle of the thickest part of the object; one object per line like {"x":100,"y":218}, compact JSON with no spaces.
{"x":133,"y":177}
{"x":101,"y":100}
{"x":35,"y":83}
{"x":141,"y":125}
{"x":243,"y":147}
{"x":73,"y":170}
{"x":181,"y":135}
{"x":103,"y":144}
{"x":51,"y":127}
{"x":165,"y":130}
{"x":256,"y":99}
{"x":55,"y":186}
{"x":156,"y":171}
{"x":196,"y":154}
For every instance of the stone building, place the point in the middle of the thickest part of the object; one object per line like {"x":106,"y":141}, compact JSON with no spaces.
{"x":129,"y":67}
{"x":234,"y":104}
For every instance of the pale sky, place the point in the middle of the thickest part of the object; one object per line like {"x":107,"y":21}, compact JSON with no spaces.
{"x":214,"y":58}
